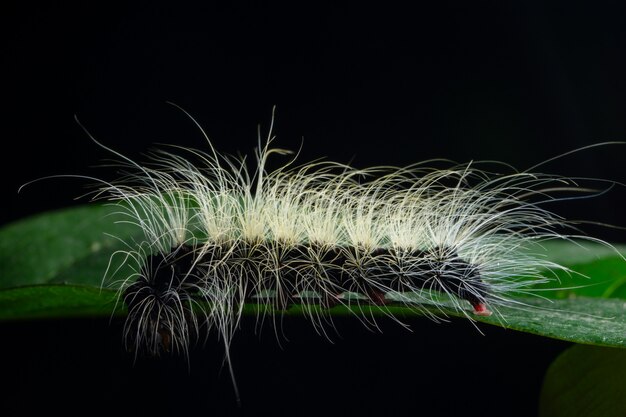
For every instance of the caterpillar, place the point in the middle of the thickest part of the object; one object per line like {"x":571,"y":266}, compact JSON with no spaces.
{"x":218,"y":234}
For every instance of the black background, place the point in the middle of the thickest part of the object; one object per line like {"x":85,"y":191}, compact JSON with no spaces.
{"x":518,"y":82}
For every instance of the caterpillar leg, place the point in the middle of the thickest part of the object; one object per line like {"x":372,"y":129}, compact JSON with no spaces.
{"x":481,"y":309}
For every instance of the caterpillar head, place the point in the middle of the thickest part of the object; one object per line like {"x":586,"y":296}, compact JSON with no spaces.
{"x":160,"y":317}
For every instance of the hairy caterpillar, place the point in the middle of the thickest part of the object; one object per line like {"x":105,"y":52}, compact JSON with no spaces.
{"x":218,"y":235}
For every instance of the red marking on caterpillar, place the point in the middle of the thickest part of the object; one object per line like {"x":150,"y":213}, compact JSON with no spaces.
{"x":481,"y":309}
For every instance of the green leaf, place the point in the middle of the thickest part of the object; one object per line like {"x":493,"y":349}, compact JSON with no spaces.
{"x":53,"y":265}
{"x":56,"y":301}
{"x":598,"y":270}
{"x":585,"y":381}
{"x":66,"y":246}
{"x":594,"y":321}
